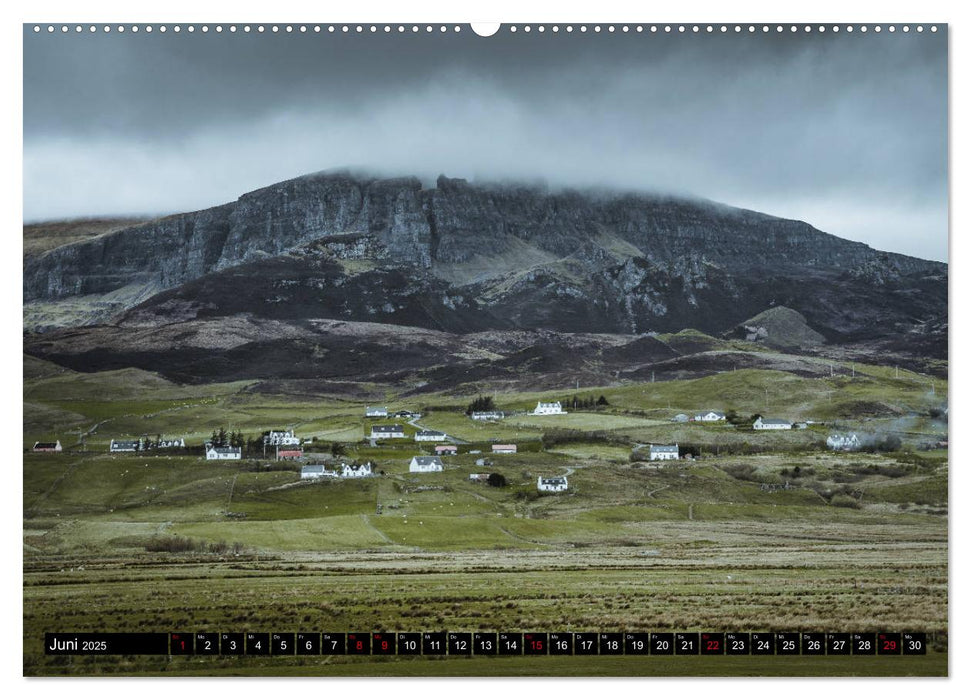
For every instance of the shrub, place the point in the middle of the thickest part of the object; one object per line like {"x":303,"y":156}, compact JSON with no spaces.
{"x":841,"y":500}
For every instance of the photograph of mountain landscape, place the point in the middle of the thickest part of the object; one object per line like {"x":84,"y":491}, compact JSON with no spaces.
{"x":397,"y":350}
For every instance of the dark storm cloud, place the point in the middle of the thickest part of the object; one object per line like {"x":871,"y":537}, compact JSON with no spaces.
{"x":845,"y":131}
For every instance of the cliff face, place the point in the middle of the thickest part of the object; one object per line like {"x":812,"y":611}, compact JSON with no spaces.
{"x":461,"y":257}
{"x":450,"y":224}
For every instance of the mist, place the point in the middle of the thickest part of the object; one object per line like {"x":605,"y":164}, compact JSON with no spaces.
{"x":848,"y":133}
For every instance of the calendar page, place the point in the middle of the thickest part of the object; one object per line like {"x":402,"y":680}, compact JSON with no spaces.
{"x":537,"y":349}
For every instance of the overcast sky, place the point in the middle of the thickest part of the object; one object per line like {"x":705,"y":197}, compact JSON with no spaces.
{"x":845,"y":131}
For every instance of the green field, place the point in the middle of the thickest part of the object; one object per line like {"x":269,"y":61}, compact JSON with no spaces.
{"x":789,"y":537}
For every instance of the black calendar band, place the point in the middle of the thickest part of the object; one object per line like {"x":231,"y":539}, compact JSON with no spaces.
{"x":488,"y":643}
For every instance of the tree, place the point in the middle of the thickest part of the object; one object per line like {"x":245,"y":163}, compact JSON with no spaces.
{"x":221,"y":438}
{"x":497,"y":480}
{"x":337,"y":449}
{"x":602,"y":401}
{"x":214,"y":438}
{"x":481,"y":404}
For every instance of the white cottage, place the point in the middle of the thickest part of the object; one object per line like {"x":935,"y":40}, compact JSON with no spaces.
{"x":710,"y":417}
{"x":376,"y":412}
{"x":548,"y":409}
{"x":280,"y":438}
{"x":430,"y":436}
{"x":124,"y":446}
{"x":553,"y":485}
{"x":425,"y":464}
{"x":488,"y":415}
{"x":385,"y":432}
{"x":356,"y":471}
{"x":164,"y":444}
{"x":661,"y":453}
{"x":844,"y":443}
{"x":223,"y":452}
{"x":771,"y":424}
{"x":317,"y":471}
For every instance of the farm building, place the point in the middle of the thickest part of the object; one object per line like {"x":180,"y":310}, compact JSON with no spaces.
{"x":478,"y":477}
{"x":710,"y":417}
{"x":660,"y":453}
{"x":317,"y":471}
{"x":376,"y":412}
{"x":446,"y":450}
{"x":504,"y":449}
{"x":430,"y":436}
{"x":548,"y":409}
{"x":487,"y":415}
{"x":425,"y":464}
{"x":771,"y":424}
{"x":223,"y":452}
{"x":289,"y":453}
{"x":680,"y":418}
{"x":385,"y":432}
{"x":46,"y":446}
{"x":483,"y":462}
{"x":356,"y":471}
{"x":406,"y":414}
{"x":843,"y":443}
{"x":164,"y":444}
{"x":280,"y":437}
{"x":124,"y":446}
{"x":553,"y":485}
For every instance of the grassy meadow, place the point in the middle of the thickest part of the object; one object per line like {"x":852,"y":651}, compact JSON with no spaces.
{"x":763,"y":531}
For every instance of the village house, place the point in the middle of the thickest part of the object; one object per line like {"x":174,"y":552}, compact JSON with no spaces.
{"x":124,"y":446}
{"x":430,"y":436}
{"x":223,"y":452}
{"x":844,"y":443}
{"x":164,"y":444}
{"x":504,"y":449}
{"x":280,"y":437}
{"x":283,"y":453}
{"x":771,"y":424}
{"x":553,"y":485}
{"x":385,"y":432}
{"x":46,"y":446}
{"x":680,"y":418}
{"x":406,"y":414}
{"x":661,"y":453}
{"x":478,"y":477}
{"x":483,"y":462}
{"x":356,"y":471}
{"x":487,"y":415}
{"x":317,"y":471}
{"x":446,"y":450}
{"x":376,"y":412}
{"x":425,"y":464}
{"x":710,"y":417}
{"x":548,"y":409}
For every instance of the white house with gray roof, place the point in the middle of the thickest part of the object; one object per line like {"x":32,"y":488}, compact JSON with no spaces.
{"x":710,"y":417}
{"x":430,"y":436}
{"x":387,"y":432}
{"x":356,"y":471}
{"x":552,"y":485}
{"x":553,"y":408}
{"x":660,"y":453}
{"x":771,"y":424}
{"x":317,"y":471}
{"x":425,"y":464}
{"x":223,"y":452}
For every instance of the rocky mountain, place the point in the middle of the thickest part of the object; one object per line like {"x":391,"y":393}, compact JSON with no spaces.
{"x":462,"y":258}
